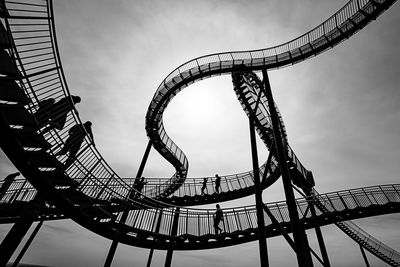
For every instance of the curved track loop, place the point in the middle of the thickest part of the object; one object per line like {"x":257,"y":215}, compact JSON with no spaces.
{"x":347,"y":21}
{"x":249,"y":90}
{"x":89,"y":191}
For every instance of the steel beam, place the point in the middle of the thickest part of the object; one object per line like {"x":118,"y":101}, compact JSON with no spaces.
{"x":27,"y":244}
{"x":262,"y":241}
{"x":174,"y":230}
{"x":114,"y":244}
{"x":299,"y":235}
{"x":320,"y":238}
{"x":14,"y":237}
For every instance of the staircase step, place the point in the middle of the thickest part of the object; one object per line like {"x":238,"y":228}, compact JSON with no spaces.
{"x":43,"y":160}
{"x":121,"y":227}
{"x":58,"y":178}
{"x":17,"y":115}
{"x":30,"y":138}
{"x":98,"y":212}
{"x":80,"y":198}
{"x":10,"y":91}
{"x":75,"y":197}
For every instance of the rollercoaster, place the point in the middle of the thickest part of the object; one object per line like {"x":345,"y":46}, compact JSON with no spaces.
{"x":82,"y":186}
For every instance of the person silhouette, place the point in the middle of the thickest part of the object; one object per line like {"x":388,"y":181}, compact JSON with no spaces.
{"x":204,"y":185}
{"x":74,"y":141}
{"x":12,"y":176}
{"x":217,"y":219}
{"x":54,"y":114}
{"x":217,"y":183}
{"x":140,"y":185}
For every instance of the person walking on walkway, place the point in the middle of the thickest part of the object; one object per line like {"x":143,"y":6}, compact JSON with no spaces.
{"x":204,"y":185}
{"x":77,"y":134}
{"x":54,"y":114}
{"x":217,"y":183}
{"x":217,"y":219}
{"x":139,"y":186}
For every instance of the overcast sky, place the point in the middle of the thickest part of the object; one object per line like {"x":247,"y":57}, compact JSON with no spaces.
{"x":341,"y":110}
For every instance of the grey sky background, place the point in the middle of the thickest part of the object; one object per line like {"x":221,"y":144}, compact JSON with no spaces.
{"x":341,"y":111}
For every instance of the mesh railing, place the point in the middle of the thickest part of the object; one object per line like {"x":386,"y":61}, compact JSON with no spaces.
{"x":194,"y":222}
{"x":362,"y":197}
{"x":153,"y":188}
{"x":193,"y":186}
{"x":17,"y":191}
{"x":373,"y":242}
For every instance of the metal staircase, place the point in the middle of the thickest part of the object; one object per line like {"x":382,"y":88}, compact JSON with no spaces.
{"x":367,"y":241}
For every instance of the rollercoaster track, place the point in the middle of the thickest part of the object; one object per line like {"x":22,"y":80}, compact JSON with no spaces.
{"x":31,"y":72}
{"x":339,"y":27}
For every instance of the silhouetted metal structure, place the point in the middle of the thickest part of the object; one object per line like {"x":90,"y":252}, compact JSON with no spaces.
{"x":35,"y":100}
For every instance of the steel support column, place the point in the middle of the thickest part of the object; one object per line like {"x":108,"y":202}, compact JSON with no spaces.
{"x":114,"y":244}
{"x":262,"y":241}
{"x":14,"y":237}
{"x":156,"y":231}
{"x":174,"y":230}
{"x":320,"y":238}
{"x":299,"y":235}
{"x":364,"y":256}
{"x":27,"y":244}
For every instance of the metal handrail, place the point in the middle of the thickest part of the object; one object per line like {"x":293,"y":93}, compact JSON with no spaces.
{"x":359,"y":197}
{"x":238,"y":218}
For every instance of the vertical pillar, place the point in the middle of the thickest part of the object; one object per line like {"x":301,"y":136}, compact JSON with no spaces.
{"x":174,"y":230}
{"x":149,"y":259}
{"x":168,"y":258}
{"x":27,"y":244}
{"x":299,"y":235}
{"x":320,"y":238}
{"x":262,"y":241}
{"x":13,"y":239}
{"x":111,"y":253}
{"x":267,"y":166}
{"x":156,"y":230}
{"x":364,"y":256}
{"x":114,"y":244}
{"x":144,"y":160}
{"x":17,"y":232}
